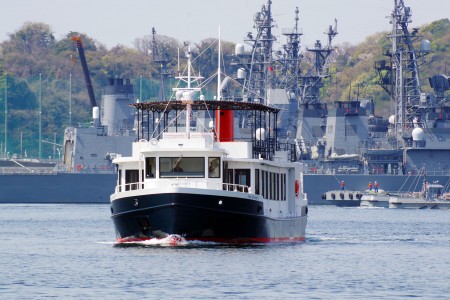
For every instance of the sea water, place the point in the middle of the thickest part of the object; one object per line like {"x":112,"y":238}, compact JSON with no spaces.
{"x":68,"y":251}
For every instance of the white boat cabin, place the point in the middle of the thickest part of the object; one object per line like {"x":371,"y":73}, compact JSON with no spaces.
{"x":177,"y":162}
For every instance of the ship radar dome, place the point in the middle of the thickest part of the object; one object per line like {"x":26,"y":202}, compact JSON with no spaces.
{"x":392,"y":119}
{"x":260,"y":134}
{"x":239,"y":49}
{"x":425,"y":46}
{"x":241,"y":73}
{"x":417,"y":134}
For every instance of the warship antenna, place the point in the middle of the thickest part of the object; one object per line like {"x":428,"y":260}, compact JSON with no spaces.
{"x":260,"y":65}
{"x":290,"y":62}
{"x":162,"y":59}
{"x":312,"y":82}
{"x":399,"y":76}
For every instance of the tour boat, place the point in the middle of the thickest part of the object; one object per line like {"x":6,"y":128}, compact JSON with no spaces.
{"x":207,"y":185}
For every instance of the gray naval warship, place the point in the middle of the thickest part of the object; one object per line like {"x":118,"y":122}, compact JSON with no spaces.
{"x":339,"y":142}
{"x":345,"y":142}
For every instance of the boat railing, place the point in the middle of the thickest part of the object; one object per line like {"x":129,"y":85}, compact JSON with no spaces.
{"x":27,"y":171}
{"x":188,"y":183}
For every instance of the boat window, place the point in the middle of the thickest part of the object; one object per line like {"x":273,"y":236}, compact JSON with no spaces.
{"x":225,"y":172}
{"x":270,"y":181}
{"x":181,"y":167}
{"x":277,"y":187}
{"x":242,"y":178}
{"x":257,"y":181}
{"x":131,"y":179}
{"x":229,"y":179}
{"x":150,"y":167}
{"x":263,"y":183}
{"x":213,"y":167}
{"x":119,"y":180}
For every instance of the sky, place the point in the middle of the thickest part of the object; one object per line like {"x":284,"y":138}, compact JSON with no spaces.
{"x":114,"y":22}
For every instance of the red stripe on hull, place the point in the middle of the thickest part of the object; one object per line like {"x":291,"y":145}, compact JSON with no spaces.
{"x":225,"y":240}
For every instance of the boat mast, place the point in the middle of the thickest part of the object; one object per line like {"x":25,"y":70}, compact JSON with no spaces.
{"x":218,"y":87}
{"x":6,"y":113}
{"x":188,"y":92}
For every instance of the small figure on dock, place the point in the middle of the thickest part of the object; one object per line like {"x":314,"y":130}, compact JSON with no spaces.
{"x":376,"y":187}
{"x":370,"y":186}
{"x":342,"y":185}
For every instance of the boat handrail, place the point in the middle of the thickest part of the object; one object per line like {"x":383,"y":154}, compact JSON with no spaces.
{"x":184,"y":183}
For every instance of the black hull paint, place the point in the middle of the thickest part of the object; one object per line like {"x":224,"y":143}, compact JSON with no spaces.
{"x":201,"y":217}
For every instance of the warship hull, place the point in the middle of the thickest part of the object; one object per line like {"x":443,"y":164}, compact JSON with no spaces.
{"x":56,"y":188}
{"x":95,"y":188}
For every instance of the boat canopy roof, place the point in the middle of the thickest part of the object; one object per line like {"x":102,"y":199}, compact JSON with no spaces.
{"x":161,"y":106}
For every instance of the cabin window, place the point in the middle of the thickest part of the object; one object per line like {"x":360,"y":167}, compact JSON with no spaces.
{"x":131,"y":179}
{"x":277,"y":187}
{"x":214,"y":167}
{"x":242,"y":178}
{"x":120,"y":180}
{"x":229,"y":180}
{"x":182,"y":167}
{"x":263,"y":183}
{"x":266,"y":194}
{"x":257,"y":181}
{"x":150,"y":167}
{"x":283,"y":187}
{"x":225,"y":172}
{"x":272,"y":185}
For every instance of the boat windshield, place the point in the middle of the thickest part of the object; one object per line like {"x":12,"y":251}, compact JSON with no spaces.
{"x":182,"y":167}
